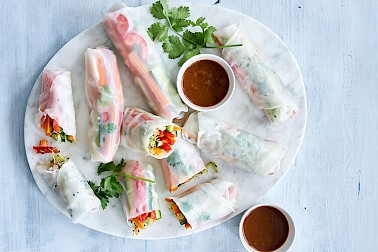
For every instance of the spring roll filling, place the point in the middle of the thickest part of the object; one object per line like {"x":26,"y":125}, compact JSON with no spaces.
{"x":53,"y":130}
{"x":172,"y":189}
{"x":177,"y":212}
{"x":163,"y":139}
{"x":144,"y":220}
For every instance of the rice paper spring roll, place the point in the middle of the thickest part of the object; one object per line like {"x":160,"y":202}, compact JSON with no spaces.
{"x":148,"y":133}
{"x":234,"y":146}
{"x":70,"y":184}
{"x":204,"y":203}
{"x":56,"y":115}
{"x":256,"y":76}
{"x":104,"y":92}
{"x":127,"y":31}
{"x":182,"y":165}
{"x":139,"y":199}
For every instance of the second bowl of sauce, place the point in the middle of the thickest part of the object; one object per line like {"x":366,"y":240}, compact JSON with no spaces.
{"x":267,"y":228}
{"x":205,"y":82}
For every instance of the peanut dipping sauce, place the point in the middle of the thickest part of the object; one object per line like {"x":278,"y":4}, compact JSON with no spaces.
{"x":265,"y":228}
{"x":205,"y":83}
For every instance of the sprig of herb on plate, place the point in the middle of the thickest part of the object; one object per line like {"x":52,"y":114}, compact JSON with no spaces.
{"x":185,"y":43}
{"x":110,"y":187}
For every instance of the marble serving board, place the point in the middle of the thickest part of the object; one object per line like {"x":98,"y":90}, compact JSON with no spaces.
{"x":239,"y":111}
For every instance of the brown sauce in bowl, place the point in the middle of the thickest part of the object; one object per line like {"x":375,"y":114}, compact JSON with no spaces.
{"x":205,"y":83}
{"x":266,"y":228}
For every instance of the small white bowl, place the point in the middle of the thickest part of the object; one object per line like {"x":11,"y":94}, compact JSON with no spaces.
{"x":220,"y":61}
{"x":290,"y":238}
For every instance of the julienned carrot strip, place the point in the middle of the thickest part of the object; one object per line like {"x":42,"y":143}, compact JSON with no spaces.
{"x":48,"y":126}
{"x":70,"y":138}
{"x":138,"y":223}
{"x":56,"y":127}
{"x":43,"y":143}
{"x":155,"y":90}
{"x":101,"y":72}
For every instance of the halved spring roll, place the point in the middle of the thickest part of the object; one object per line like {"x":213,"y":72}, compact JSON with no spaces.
{"x":234,"y":146}
{"x":256,"y":76}
{"x":70,"y":184}
{"x":204,"y":203}
{"x":139,"y":199}
{"x":56,"y":115}
{"x":103,"y":88}
{"x":182,"y":165}
{"x":148,"y":133}
{"x":128,"y":33}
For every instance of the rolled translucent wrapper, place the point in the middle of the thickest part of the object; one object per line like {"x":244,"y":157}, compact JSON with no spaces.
{"x":234,"y":146}
{"x":182,"y":165}
{"x":256,"y":76}
{"x":147,"y":133}
{"x":139,"y":199}
{"x":56,"y":115}
{"x":127,"y":30}
{"x":103,"y":88}
{"x":71,"y":185}
{"x":204,"y":203}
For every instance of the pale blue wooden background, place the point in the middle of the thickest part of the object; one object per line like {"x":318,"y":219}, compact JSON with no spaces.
{"x":331,"y":189}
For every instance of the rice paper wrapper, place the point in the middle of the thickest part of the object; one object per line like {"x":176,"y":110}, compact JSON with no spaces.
{"x":72,"y":187}
{"x":256,"y":76}
{"x":104,"y":93}
{"x":56,"y":100}
{"x":236,"y":147}
{"x":183,"y":163}
{"x":137,"y":128}
{"x":139,"y":196}
{"x":128,"y":32}
{"x":207,"y":202}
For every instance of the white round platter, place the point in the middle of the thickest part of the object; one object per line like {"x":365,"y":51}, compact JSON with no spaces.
{"x":240,"y":111}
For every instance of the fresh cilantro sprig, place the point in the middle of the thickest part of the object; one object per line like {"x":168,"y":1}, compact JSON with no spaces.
{"x":185,"y":43}
{"x":110,"y":187}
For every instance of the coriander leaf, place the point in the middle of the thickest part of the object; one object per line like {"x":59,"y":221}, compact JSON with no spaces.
{"x":157,"y":10}
{"x":165,"y":7}
{"x":208,"y":35}
{"x":199,"y":21}
{"x":179,"y":24}
{"x":120,"y":166}
{"x":92,"y":185}
{"x":188,"y":39}
{"x":188,"y":55}
{"x":104,"y":201}
{"x":106,"y":167}
{"x":204,"y":25}
{"x":111,"y":186}
{"x":173,"y":47}
{"x":99,"y":194}
{"x":181,"y":12}
{"x":158,"y":31}
{"x":195,"y":38}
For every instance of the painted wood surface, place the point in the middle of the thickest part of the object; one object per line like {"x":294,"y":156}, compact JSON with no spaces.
{"x":331,"y":190}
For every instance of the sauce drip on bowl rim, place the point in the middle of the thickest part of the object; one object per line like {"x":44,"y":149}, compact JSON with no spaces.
{"x":266,"y":228}
{"x":205,"y":83}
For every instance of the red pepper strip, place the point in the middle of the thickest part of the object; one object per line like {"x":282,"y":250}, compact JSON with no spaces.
{"x":166,"y":147}
{"x":45,"y":149}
